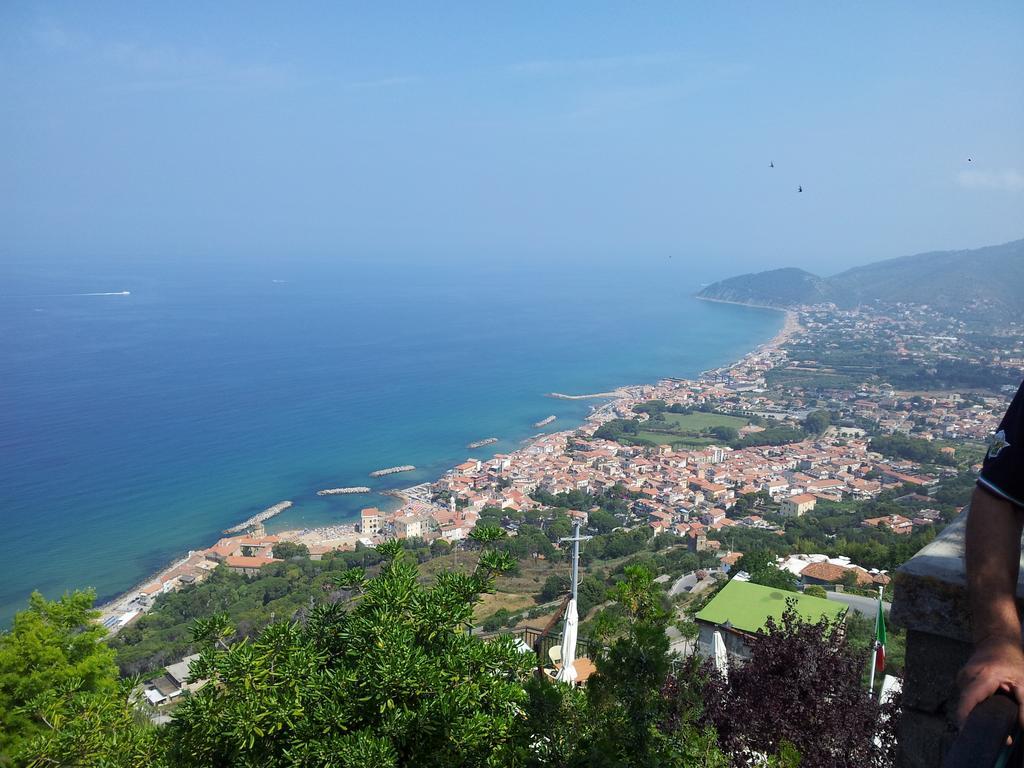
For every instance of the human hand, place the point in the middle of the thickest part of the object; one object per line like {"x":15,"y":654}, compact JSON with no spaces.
{"x":995,"y":665}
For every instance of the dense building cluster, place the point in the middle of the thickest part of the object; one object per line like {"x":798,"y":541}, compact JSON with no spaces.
{"x":692,"y":491}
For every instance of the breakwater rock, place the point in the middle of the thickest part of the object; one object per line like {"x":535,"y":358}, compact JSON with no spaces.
{"x":392,"y":470}
{"x":255,"y":520}
{"x":343,"y":491}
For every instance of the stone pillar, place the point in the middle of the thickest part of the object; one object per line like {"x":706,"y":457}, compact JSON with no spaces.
{"x":930,"y":602}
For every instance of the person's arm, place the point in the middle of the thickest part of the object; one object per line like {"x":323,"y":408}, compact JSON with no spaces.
{"x":993,"y":558}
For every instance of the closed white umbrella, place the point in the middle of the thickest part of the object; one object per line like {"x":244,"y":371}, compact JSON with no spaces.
{"x":567,"y":674}
{"x":721,"y":655}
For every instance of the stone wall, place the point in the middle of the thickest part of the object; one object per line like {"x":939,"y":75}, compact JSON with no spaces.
{"x":931,"y":604}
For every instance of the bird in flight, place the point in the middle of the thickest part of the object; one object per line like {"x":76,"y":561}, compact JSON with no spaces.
{"x":800,"y":189}
{"x":969,"y":160}
{"x":771,"y":164}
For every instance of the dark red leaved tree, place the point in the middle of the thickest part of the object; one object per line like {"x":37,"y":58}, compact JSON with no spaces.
{"x":802,"y":685}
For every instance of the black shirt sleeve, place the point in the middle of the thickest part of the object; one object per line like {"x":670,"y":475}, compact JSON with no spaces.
{"x":1003,"y":470}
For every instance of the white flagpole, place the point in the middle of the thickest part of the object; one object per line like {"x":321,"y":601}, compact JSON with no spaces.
{"x":575,"y":557}
{"x":874,"y":647}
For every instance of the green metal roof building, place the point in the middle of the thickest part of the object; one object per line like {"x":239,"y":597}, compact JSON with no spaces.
{"x":742,"y":608}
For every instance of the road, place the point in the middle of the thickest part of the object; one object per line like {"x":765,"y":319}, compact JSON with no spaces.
{"x":865,"y":606}
{"x":688,"y":583}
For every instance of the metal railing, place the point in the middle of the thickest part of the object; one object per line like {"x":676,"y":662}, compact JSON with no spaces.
{"x":542,"y":641}
{"x":982,"y":742}
{"x":530,"y":635}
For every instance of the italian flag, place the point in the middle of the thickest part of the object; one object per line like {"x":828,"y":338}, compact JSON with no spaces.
{"x":880,"y":639}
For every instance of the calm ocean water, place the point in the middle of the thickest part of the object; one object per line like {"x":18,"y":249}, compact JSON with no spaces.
{"x":133,"y":428}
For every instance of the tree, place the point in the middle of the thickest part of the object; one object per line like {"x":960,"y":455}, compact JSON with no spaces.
{"x":776,"y":578}
{"x":815,"y":590}
{"x":393,"y":678}
{"x":496,"y":620}
{"x":651,"y":407}
{"x":554,"y":586}
{"x":849,"y":580}
{"x":558,"y":528}
{"x":813,"y":680}
{"x":725,"y":434}
{"x":688,"y":629}
{"x":913,"y":448}
{"x":439,"y":547}
{"x":817,"y":422}
{"x":53,"y":646}
{"x":591,"y":593}
{"x":91,"y":728}
{"x":760,"y":564}
{"x":286,"y":550}
{"x":748,"y":502}
{"x":631,"y":720}
{"x":617,"y":429}
{"x":602,"y":521}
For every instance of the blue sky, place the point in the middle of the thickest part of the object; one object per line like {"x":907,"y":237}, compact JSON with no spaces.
{"x":515,"y":132}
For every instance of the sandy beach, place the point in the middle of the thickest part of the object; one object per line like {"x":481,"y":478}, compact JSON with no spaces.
{"x":417,"y":498}
{"x":790,"y":326}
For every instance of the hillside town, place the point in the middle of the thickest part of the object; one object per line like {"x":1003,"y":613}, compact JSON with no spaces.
{"x":691,"y":485}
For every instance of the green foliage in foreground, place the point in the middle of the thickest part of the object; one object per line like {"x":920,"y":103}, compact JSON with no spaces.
{"x":53,"y":647}
{"x":90,"y":728}
{"x":393,"y":680}
{"x":280,"y":591}
{"x":389,"y":676}
{"x":782,"y":696}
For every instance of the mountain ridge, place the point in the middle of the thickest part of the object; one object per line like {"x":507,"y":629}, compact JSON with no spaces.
{"x":984,"y":283}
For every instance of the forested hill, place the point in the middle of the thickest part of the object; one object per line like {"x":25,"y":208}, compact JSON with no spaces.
{"x":984,"y":284}
{"x":775,"y":288}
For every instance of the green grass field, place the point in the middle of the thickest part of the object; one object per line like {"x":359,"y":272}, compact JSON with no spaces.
{"x":688,"y":429}
{"x":694,"y":423}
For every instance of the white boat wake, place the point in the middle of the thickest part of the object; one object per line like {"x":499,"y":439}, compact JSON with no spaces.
{"x":64,"y":295}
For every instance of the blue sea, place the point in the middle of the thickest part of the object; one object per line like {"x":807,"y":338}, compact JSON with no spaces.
{"x":136,"y":427}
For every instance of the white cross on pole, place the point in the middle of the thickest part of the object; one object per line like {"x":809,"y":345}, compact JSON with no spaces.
{"x":576,"y":539}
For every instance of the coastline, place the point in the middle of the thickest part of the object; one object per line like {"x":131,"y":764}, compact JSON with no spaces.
{"x":596,"y":396}
{"x":790,"y":326}
{"x":613,"y":399}
{"x":740,"y":303}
